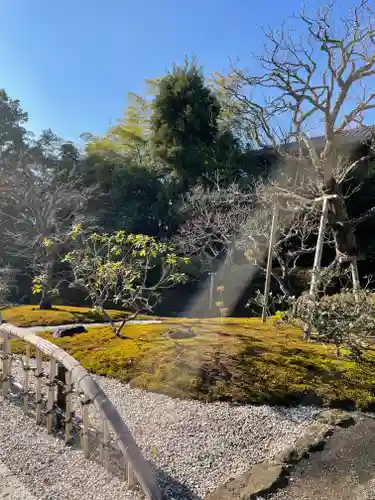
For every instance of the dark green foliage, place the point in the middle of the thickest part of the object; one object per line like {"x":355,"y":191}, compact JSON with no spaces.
{"x":130,"y":196}
{"x":12,"y":120}
{"x":184,"y":123}
{"x":362,"y":200}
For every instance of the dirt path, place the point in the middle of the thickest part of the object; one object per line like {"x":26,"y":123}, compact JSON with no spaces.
{"x":343,"y":470}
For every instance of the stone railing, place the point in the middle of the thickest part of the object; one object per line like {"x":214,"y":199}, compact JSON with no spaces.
{"x":63,"y":396}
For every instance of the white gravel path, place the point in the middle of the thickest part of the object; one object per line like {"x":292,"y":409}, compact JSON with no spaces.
{"x":48,"y":469}
{"x":39,"y":329}
{"x":193,"y":446}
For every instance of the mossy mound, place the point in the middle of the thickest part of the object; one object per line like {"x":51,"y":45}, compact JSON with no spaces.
{"x":237,"y":360}
{"x":59,"y":315}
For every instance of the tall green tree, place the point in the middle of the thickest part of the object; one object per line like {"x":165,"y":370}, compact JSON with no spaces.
{"x":13,"y":135}
{"x":184,"y":124}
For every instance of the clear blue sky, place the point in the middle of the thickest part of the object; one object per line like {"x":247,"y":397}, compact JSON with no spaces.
{"x":72,"y":62}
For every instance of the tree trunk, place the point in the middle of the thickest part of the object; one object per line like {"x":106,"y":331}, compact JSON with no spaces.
{"x":345,"y":243}
{"x":45,"y":301}
{"x":283,"y":281}
{"x":123,"y":323}
{"x":98,"y":304}
{"x":45,"y":304}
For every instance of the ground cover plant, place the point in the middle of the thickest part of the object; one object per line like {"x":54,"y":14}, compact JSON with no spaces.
{"x":231,"y":359}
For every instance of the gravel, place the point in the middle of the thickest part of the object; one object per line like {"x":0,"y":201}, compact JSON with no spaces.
{"x":193,"y":446}
{"x":38,"y":329}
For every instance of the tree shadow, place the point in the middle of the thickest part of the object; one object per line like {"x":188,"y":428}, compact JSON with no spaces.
{"x":279,"y":377}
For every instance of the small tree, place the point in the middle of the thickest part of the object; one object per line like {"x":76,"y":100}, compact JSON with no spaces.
{"x":128,"y":269}
{"x":344,"y":319}
{"x":214,"y":218}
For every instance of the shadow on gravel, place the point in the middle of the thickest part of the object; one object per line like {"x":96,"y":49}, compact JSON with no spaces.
{"x":173,"y":489}
{"x":170,"y":486}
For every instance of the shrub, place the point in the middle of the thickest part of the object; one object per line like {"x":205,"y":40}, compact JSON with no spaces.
{"x":344,"y":319}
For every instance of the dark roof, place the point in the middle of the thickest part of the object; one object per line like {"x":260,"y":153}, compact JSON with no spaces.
{"x":353,"y":136}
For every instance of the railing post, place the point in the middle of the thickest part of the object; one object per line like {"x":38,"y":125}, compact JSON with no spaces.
{"x":26,"y":369}
{"x":68,"y":407}
{"x":61,"y":395}
{"x":7,"y":353}
{"x":85,"y":426}
{"x":38,"y":388}
{"x":130,"y":473}
{"x":51,"y":394}
{"x":104,"y":442}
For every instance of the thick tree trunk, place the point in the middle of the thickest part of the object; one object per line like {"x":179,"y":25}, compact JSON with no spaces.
{"x":345,"y":243}
{"x":285,"y":286}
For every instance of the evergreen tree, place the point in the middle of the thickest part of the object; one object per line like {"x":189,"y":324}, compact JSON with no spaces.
{"x":184,"y":124}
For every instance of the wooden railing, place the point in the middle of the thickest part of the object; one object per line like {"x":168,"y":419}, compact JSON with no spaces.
{"x":65,"y":398}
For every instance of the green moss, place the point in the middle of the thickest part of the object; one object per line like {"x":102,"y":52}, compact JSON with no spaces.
{"x":238,"y":360}
{"x":61,"y":315}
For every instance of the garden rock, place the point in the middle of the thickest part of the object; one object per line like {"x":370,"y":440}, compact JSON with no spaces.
{"x":68,"y":332}
{"x":262,"y":478}
{"x":269,"y":476}
{"x":336,"y":417}
{"x":183,"y":333}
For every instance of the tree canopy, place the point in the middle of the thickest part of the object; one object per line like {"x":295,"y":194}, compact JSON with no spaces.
{"x":200,"y":163}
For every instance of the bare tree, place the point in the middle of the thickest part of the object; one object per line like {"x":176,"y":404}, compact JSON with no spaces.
{"x":315,"y":82}
{"x":223,"y":220}
{"x":37,"y":208}
{"x":215,"y":216}
{"x":297,"y":226}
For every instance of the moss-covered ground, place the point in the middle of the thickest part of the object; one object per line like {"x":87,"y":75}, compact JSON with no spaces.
{"x":58,"y":315}
{"x":238,"y":360}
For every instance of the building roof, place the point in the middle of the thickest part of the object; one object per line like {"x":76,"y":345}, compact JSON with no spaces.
{"x":353,"y":136}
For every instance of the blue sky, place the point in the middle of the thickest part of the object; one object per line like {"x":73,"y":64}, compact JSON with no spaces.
{"x":71,"y":63}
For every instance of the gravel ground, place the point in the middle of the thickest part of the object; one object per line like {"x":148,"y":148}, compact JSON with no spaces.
{"x":193,"y":446}
{"x":47,"y":468}
{"x":11,"y":487}
{"x":38,"y":329}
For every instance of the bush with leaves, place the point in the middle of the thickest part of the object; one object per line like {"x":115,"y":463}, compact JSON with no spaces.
{"x":257,"y":302}
{"x":344,"y":319}
{"x":130,"y":270}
